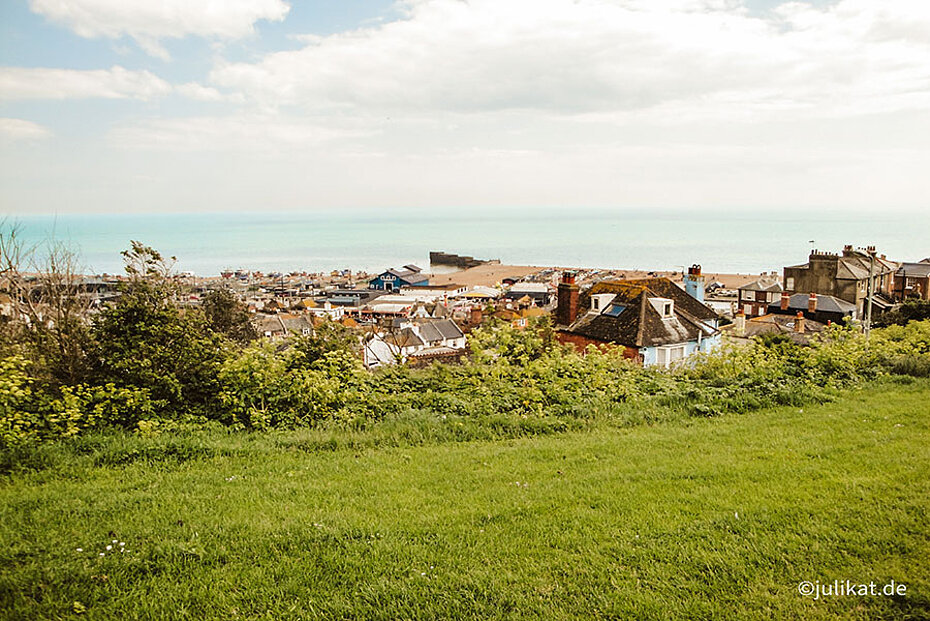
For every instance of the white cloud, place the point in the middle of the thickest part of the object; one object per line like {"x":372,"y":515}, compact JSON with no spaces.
{"x":17,"y":83}
{"x":571,"y":56}
{"x":149,"y":21}
{"x":199,"y":92}
{"x":15,"y":130}
{"x":252,"y":133}
{"x":572,"y":102}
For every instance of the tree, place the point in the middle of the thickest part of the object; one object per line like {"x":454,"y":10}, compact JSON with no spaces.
{"x":49,"y":307}
{"x":327,"y":337}
{"x":226,"y":314}
{"x":147,"y":341}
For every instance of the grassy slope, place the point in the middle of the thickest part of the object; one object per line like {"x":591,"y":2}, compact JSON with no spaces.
{"x":712,"y":518}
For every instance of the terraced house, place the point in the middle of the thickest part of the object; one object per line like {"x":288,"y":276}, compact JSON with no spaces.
{"x":846,"y":277}
{"x":654,"y":320}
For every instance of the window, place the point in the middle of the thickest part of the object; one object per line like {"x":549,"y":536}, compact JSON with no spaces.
{"x":595,"y":303}
{"x":667,"y":311}
{"x":789,"y":283}
{"x":665,"y":356}
{"x":614,"y":310}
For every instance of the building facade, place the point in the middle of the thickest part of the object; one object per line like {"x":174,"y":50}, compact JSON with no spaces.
{"x":845,"y":276}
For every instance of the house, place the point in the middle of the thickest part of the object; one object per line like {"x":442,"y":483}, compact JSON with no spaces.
{"x":281,"y":325}
{"x":912,"y":280}
{"x":537,"y":292}
{"x":822,"y":308}
{"x":845,"y":277}
{"x":327,"y":309}
{"x":753,"y":299}
{"x":404,"y":339}
{"x":392,"y":279}
{"x":481,"y":293}
{"x":654,"y":320}
{"x":435,"y":292}
{"x":797,"y":329}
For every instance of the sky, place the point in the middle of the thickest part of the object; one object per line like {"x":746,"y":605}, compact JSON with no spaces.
{"x":132,"y":106}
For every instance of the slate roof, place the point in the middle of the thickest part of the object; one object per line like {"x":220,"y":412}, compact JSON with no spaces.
{"x":430,"y":333}
{"x":448,"y":329}
{"x":825,"y":303}
{"x":404,"y":338}
{"x":915,"y":270}
{"x":639,"y":324}
{"x":407,"y":273}
{"x":268,"y":323}
{"x":659,"y":287}
{"x":296,"y":323}
{"x":778,"y":324}
{"x":763,"y":285}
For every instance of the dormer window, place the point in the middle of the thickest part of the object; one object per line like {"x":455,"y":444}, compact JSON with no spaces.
{"x":664,"y":306}
{"x":600,"y":301}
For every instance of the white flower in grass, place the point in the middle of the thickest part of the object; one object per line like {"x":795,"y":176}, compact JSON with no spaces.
{"x":109,"y":548}
{"x":102,"y":554}
{"x":80,"y":550}
{"x":114,"y":541}
{"x":122,"y":544}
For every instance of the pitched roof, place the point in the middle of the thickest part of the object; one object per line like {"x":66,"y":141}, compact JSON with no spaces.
{"x":915,"y":270}
{"x":778,"y":324}
{"x":430,"y":333}
{"x":295,"y":323}
{"x":404,"y":338}
{"x":658,"y":287}
{"x":762,"y":285}
{"x":412,"y":275}
{"x":825,"y":303}
{"x":633,"y":320}
{"x":448,"y":329}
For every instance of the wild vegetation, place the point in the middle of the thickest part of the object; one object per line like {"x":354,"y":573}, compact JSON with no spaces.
{"x":147,"y":363}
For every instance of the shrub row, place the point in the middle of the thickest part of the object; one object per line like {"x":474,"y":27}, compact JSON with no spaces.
{"x":510,"y":375}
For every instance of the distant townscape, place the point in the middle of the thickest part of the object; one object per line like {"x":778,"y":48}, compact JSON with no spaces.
{"x":406,"y":315}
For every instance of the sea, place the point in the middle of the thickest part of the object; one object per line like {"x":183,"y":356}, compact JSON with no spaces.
{"x":732,"y":241}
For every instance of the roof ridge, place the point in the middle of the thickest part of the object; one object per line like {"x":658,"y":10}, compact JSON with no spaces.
{"x":642,"y":318}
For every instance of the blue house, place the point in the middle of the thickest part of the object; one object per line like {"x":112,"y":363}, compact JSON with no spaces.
{"x":654,"y":320}
{"x":392,"y":279}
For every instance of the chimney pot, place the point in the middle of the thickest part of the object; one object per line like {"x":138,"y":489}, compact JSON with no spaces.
{"x":799,"y":323}
{"x":812,"y":303}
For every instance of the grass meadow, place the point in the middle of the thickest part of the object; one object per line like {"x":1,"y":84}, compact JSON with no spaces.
{"x":698,"y":518}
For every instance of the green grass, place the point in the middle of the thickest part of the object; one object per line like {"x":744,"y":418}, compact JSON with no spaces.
{"x":694,"y":519}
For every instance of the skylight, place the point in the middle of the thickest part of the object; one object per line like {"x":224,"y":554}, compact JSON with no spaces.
{"x":614,"y":310}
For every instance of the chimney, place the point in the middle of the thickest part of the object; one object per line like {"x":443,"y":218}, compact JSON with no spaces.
{"x":812,"y":303}
{"x":694,"y":283}
{"x":785,"y":301}
{"x":567,"y":307}
{"x":475,"y":316}
{"x":799,"y":323}
{"x":740,"y":324}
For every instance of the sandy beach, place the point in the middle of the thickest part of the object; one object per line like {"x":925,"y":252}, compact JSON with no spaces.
{"x":489,"y":275}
